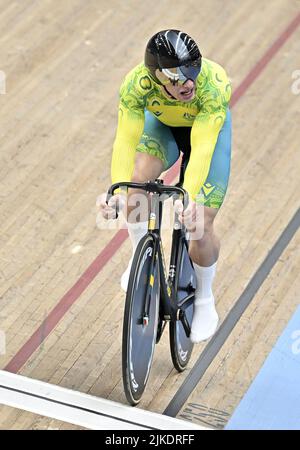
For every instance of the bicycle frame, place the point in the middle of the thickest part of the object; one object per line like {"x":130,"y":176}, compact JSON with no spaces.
{"x":171,"y":310}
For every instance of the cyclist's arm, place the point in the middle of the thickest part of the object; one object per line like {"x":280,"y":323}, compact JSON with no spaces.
{"x":205,"y":132}
{"x":129,"y":132}
{"x":204,"y":137}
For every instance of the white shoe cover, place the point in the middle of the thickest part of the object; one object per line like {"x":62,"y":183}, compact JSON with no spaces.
{"x":205,"y":319}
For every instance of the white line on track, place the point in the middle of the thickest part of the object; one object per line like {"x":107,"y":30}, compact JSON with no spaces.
{"x":81,"y":409}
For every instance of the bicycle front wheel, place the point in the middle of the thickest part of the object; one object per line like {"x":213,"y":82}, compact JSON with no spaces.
{"x":180,"y":344}
{"x":139,"y":331}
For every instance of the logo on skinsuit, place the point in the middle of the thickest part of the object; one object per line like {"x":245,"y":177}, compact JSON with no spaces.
{"x":188,"y":116}
{"x":207,"y":189}
{"x":156,"y":103}
{"x":145,"y":83}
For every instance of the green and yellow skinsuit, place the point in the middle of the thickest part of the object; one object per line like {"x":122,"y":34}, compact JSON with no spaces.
{"x":147,"y":116}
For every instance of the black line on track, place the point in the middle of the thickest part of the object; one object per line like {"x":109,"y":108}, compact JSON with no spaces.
{"x":217,"y":341}
{"x":57,"y":402}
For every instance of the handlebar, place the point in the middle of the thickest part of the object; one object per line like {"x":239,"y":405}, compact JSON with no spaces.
{"x":155,"y":187}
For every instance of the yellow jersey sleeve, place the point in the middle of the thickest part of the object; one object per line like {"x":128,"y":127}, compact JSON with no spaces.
{"x":214,"y":98}
{"x":129,"y":130}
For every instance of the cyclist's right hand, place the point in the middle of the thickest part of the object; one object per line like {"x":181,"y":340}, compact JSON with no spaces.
{"x":108,"y":211}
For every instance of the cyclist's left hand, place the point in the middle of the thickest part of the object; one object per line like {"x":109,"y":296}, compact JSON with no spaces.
{"x":190,"y":216}
{"x":108,"y":211}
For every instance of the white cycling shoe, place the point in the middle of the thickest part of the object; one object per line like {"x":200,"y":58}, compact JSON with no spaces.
{"x":205,"y":319}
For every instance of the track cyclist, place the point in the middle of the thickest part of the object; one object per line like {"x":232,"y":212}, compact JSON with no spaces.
{"x":177,"y":101}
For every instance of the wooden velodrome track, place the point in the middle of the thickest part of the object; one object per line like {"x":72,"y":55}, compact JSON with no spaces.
{"x":61,"y":305}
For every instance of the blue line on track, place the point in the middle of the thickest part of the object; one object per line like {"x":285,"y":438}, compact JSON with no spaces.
{"x":273,"y":400}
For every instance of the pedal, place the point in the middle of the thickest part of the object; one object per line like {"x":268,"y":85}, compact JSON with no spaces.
{"x":145,"y":321}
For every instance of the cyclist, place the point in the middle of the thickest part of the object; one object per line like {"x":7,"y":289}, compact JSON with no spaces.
{"x":178,"y":101}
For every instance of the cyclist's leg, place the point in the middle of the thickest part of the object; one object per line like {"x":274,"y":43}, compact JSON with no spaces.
{"x":205,"y":251}
{"x":147,"y":167}
{"x":156,"y":152}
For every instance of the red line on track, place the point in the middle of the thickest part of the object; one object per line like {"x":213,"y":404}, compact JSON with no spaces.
{"x":264,"y":61}
{"x":106,"y":254}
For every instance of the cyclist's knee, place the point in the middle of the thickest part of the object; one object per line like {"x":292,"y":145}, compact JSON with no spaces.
{"x":146,"y":167}
{"x":208,"y":228}
{"x":201,"y":234}
{"x":204,"y":224}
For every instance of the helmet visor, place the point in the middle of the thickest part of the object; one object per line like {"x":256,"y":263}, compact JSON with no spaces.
{"x":178,"y":74}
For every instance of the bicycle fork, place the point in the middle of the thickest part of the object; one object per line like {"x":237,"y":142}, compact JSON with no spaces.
{"x":152,"y":226}
{"x":150,"y":286}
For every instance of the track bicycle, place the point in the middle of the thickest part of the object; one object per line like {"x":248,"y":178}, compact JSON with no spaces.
{"x":154,"y":296}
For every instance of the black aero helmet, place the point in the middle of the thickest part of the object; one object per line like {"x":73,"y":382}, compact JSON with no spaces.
{"x":170,"y":49}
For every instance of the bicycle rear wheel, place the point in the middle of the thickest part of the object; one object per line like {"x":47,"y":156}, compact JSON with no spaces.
{"x":139,"y":333}
{"x":180,"y":344}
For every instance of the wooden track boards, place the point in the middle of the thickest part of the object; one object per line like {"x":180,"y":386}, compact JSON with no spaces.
{"x":58,"y":121}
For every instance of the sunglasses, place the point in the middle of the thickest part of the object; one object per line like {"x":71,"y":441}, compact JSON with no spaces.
{"x":178,"y":75}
